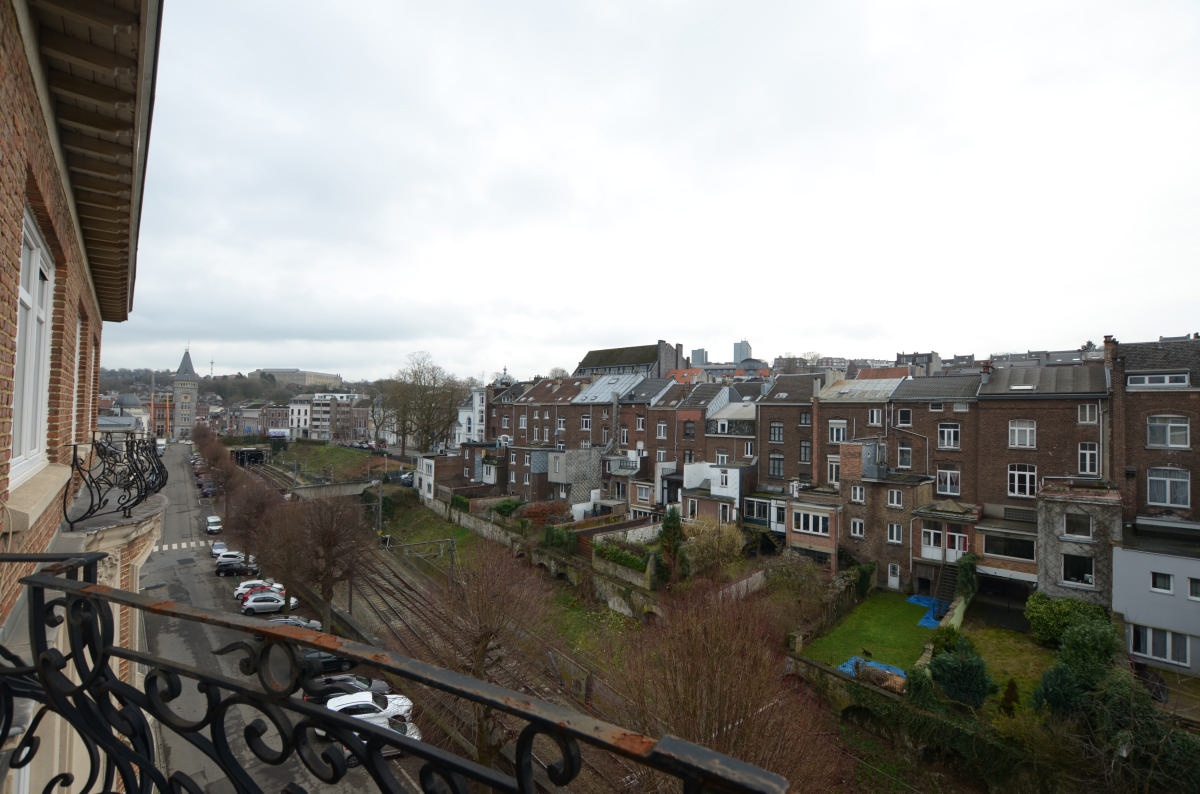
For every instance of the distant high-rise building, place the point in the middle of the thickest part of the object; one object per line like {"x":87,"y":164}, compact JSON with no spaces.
{"x":741,"y":351}
{"x":699,"y":357}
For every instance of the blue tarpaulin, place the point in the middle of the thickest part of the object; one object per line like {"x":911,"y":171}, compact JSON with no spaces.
{"x":851,"y":664}
{"x":930,"y":620}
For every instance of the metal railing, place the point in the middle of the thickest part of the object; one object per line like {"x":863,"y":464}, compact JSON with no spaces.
{"x":117,"y":471}
{"x":113,"y":718}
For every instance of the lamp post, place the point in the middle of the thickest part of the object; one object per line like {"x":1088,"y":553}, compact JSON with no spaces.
{"x":378,"y":507}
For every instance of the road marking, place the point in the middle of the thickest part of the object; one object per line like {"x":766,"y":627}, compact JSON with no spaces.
{"x":189,"y":544}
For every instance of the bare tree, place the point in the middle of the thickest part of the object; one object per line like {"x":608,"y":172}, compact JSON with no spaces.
{"x":319,"y":544}
{"x":381,"y":409}
{"x":494,"y":600}
{"x":712,"y":673}
{"x":428,"y":400}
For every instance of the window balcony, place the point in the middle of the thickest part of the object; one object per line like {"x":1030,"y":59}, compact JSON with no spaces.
{"x":122,"y":705}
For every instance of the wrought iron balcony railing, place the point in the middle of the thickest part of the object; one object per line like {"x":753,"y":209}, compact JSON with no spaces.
{"x":118,"y":471}
{"x":89,"y":684}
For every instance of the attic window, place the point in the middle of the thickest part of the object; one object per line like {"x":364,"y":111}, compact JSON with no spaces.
{"x":1159,"y":379}
{"x":1022,"y":387}
{"x":781,"y":396}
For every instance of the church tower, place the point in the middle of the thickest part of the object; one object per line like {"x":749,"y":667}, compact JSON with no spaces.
{"x":185,"y":390}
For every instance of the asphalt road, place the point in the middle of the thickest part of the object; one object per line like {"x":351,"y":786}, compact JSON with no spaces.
{"x":180,"y":568}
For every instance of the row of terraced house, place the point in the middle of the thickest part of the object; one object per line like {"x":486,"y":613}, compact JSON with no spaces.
{"x":1072,"y":477}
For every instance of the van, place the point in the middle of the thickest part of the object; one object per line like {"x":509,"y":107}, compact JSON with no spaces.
{"x":212,"y":525}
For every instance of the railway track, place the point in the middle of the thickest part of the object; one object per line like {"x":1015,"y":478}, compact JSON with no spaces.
{"x":405,"y":599}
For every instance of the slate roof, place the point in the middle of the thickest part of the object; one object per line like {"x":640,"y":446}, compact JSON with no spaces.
{"x":646,"y":391}
{"x":553,"y":390}
{"x":1033,"y":382}
{"x":701,"y":395}
{"x":1164,"y":355}
{"x":859,"y":391}
{"x":186,"y":371}
{"x":792,"y":389}
{"x":673,"y":396}
{"x":938,"y":388}
{"x":620,"y":357}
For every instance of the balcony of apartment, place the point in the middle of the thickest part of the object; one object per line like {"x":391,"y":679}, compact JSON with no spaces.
{"x":81,"y":697}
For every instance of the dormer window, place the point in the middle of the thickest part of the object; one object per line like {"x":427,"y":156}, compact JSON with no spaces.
{"x":1159,"y":379}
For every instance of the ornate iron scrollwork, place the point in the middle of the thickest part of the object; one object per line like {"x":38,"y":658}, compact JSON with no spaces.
{"x":117,"y":472}
{"x":113,"y":718}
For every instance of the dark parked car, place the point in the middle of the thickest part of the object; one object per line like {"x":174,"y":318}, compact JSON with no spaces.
{"x":321,"y":662}
{"x":237,"y":568}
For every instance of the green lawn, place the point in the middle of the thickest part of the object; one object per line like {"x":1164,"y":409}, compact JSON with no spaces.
{"x":885,"y":624}
{"x":1010,"y":654}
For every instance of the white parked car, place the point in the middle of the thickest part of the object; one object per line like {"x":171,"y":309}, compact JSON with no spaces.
{"x":233,"y":556}
{"x":296,"y":620}
{"x":212,"y":525}
{"x":266,"y":601}
{"x":376,"y":708}
{"x":252,"y":584}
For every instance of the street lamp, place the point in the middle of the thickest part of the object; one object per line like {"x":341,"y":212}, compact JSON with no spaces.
{"x":378,"y":507}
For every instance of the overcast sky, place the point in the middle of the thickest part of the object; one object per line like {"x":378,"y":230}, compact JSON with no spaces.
{"x":336,"y":186}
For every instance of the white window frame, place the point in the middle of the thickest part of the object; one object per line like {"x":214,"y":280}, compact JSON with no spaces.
{"x":1170,"y":582}
{"x":858,"y":494}
{"x":641,"y":423}
{"x":837,"y":431}
{"x":661,"y":430}
{"x":522,"y":422}
{"x":624,"y":436}
{"x":949,"y":482}
{"x":31,"y":375}
{"x":1166,"y":431}
{"x":805,"y":452}
{"x":1159,"y":380}
{"x":833,"y":469}
{"x":858,"y":528}
{"x":895,"y":534}
{"x":585,"y":422}
{"x":1088,"y":414}
{"x":895,"y":497}
{"x":1174,"y":484}
{"x":949,"y":435}
{"x":810,"y":523}
{"x":1089,"y":457}
{"x":1193,"y":589}
{"x":1022,"y":434}
{"x":776,"y":433}
{"x":722,"y":458}
{"x":1089,"y":579}
{"x":1145,"y":636}
{"x":748,"y":449}
{"x":1022,"y":480}
{"x":903,"y":417}
{"x":904,"y":455}
{"x":875,"y":417}
{"x":660,"y":455}
{"x":805,"y":418}
{"x":643,"y":493}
